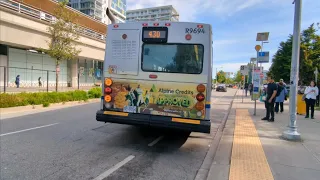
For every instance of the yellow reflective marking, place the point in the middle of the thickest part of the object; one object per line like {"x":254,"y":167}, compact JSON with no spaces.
{"x":115,"y":113}
{"x":189,"y":121}
{"x":248,"y":160}
{"x":196,"y":51}
{"x":208,"y":102}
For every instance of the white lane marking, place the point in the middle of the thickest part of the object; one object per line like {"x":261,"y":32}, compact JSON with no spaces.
{"x":155,"y":141}
{"x":15,"y":132}
{"x":114,"y":168}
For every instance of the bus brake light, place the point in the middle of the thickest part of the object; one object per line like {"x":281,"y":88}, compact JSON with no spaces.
{"x":108,"y":90}
{"x":167,"y":24}
{"x":145,"y":24}
{"x":156,"y":24}
{"x":188,"y":37}
{"x":116,"y":26}
{"x":200,"y":97}
{"x":200,"y":26}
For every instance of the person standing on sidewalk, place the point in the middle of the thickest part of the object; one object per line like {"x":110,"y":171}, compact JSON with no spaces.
{"x":270,"y":100}
{"x":246,"y":86}
{"x":280,"y":99}
{"x":17,"y":81}
{"x":311,"y":93}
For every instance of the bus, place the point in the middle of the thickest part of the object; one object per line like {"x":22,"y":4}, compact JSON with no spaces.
{"x":158,"y":74}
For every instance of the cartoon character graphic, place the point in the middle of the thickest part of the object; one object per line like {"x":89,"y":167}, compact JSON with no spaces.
{"x":140,"y":100}
{"x":130,"y":96}
{"x":147,"y":98}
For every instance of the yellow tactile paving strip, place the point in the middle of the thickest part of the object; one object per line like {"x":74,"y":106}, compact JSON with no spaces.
{"x":248,"y":161}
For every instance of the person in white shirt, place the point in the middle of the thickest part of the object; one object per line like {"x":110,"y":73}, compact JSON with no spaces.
{"x":311,"y":93}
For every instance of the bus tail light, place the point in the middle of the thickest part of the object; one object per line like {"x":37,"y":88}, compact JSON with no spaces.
{"x":107,"y":98}
{"x":200,"y":97}
{"x":199,"y":26}
{"x":201,"y":88}
{"x":108,"y":82}
{"x":116,"y":26}
{"x":199,"y":106}
{"x":144,"y":24}
{"x":188,"y":37}
{"x":108,"y":90}
{"x":156,"y":24}
{"x":167,"y":24}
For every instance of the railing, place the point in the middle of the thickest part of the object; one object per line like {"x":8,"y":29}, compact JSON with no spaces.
{"x":29,"y":11}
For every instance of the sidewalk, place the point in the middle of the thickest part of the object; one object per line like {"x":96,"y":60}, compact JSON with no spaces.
{"x":247,"y":141}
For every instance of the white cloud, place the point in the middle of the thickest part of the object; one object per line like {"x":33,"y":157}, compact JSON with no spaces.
{"x":189,"y":9}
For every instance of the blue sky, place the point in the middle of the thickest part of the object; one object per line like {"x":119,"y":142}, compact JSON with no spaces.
{"x":235,"y":24}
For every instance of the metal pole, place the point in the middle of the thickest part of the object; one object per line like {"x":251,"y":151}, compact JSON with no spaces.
{"x":78,"y":80}
{"x":243,"y":87}
{"x":5,"y":79}
{"x":47,"y":81}
{"x":255,"y":101}
{"x":292,"y":132}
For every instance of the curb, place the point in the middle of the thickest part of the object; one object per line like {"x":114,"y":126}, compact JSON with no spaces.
{"x":30,"y":108}
{"x":203,"y":172}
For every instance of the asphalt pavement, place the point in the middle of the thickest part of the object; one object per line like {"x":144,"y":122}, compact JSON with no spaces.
{"x":70,"y":144}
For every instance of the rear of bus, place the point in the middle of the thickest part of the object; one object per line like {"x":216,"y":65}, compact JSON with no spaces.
{"x":158,"y":74}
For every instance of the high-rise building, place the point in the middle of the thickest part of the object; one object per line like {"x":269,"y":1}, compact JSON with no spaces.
{"x":160,"y":13}
{"x":97,"y":9}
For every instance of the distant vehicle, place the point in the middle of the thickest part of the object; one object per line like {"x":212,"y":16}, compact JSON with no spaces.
{"x":221,"y":87}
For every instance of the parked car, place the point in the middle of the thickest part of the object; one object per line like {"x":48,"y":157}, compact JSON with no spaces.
{"x":221,"y":87}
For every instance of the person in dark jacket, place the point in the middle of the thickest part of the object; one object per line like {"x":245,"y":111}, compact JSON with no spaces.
{"x":17,"y":81}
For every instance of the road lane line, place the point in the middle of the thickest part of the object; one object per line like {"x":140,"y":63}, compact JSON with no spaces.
{"x":155,"y":141}
{"x":15,"y":132}
{"x":114,"y":168}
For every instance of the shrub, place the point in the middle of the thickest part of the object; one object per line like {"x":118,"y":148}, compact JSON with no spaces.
{"x":46,"y":104}
{"x":44,"y":98}
{"x":95,"y":92}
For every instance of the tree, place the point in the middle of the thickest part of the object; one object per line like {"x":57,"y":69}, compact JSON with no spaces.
{"x":221,"y":77}
{"x":238,"y":77}
{"x":309,"y":57}
{"x":63,"y":37}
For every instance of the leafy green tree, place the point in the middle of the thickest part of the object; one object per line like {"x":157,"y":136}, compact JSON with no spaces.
{"x":221,"y":77}
{"x":63,"y":37}
{"x":309,"y":57}
{"x":238,"y":77}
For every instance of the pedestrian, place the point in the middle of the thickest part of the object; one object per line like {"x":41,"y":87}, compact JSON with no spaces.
{"x":280,"y":99}
{"x":270,"y":99}
{"x":246,"y":86}
{"x":311,"y":94}
{"x":39,"y":81}
{"x":250,"y":89}
{"x":318,"y":97}
{"x":17,"y":81}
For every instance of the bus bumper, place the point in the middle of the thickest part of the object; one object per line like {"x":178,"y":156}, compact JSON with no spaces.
{"x":203,"y":126}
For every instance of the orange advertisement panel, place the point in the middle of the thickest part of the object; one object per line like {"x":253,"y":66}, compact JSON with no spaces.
{"x":157,"y":98}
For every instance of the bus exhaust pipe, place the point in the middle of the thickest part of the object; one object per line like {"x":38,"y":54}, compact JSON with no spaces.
{"x":110,"y":16}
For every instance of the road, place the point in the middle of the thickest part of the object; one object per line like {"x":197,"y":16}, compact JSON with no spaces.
{"x":69,"y":144}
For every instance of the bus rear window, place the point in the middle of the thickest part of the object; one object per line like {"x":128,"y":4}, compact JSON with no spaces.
{"x":173,"y":58}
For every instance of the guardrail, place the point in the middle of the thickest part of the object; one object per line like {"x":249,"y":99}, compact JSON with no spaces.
{"x":35,"y":13}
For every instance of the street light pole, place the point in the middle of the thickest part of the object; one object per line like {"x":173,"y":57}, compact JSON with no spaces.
{"x":292,"y":132}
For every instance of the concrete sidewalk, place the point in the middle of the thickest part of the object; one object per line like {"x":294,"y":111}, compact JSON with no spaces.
{"x":287,"y":160}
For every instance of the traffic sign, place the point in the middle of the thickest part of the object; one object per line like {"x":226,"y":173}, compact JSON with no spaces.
{"x":264,"y":36}
{"x":263,"y":57}
{"x":257,"y":47}
{"x":244,"y":70}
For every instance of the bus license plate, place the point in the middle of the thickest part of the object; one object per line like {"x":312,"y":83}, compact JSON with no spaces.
{"x":130,"y":109}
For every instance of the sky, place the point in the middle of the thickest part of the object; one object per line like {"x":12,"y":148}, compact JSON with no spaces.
{"x":235,"y":24}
